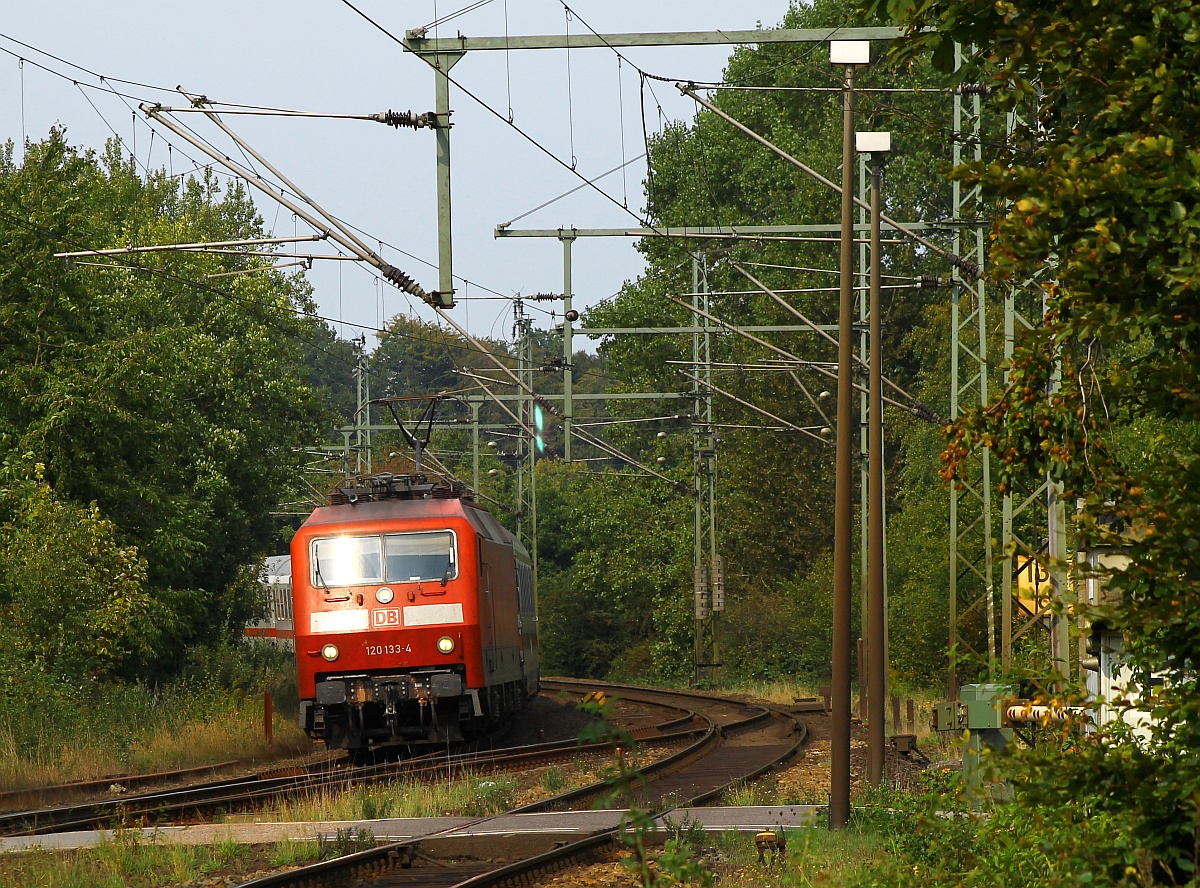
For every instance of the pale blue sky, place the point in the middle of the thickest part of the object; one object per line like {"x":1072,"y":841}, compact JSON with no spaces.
{"x":321,"y":56}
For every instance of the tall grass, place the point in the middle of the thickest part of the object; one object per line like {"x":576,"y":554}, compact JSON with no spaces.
{"x":815,"y":857}
{"x":128,"y":862}
{"x":781,"y":691}
{"x":784,"y":692}
{"x":54,"y":732}
{"x":464,"y":796}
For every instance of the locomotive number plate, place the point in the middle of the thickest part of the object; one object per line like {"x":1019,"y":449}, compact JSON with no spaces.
{"x":385,"y":616}
{"x":375,"y":650}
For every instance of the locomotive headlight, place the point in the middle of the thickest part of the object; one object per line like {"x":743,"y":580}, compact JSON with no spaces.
{"x":445,"y":644}
{"x":330,"y":652}
{"x":384,"y":595}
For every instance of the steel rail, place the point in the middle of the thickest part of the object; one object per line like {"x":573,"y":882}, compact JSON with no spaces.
{"x":248,"y":790}
{"x":403,"y":854}
{"x":100,"y":784}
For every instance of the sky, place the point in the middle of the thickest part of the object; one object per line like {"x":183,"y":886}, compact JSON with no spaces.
{"x":322,"y":56}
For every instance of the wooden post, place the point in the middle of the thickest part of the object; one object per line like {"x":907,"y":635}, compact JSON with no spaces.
{"x":862,"y":681}
{"x":268,"y":718}
{"x":895,"y":715}
{"x":912,"y":716}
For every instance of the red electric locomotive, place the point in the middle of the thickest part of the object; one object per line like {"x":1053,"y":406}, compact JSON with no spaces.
{"x":415,"y":616}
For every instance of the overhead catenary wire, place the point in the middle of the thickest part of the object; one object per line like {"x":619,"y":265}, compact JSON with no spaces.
{"x":256,"y":269}
{"x":957,"y":261}
{"x":497,"y":114}
{"x":720,"y":391}
{"x":245,"y":146}
{"x":78,"y":67}
{"x":106,"y":87}
{"x":198,"y":245}
{"x":256,"y":111}
{"x":335,"y":232}
{"x":732,"y":328}
{"x":893,"y":277}
{"x":816,"y":328}
{"x":300,"y":313}
{"x":534,"y":142}
{"x":816,"y":404}
{"x":450,"y":16}
{"x":338,"y":232}
{"x":579,"y":187}
{"x":837,"y":89}
{"x":580,"y":434}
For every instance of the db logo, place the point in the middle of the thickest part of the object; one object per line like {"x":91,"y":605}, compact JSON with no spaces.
{"x":385,"y":616}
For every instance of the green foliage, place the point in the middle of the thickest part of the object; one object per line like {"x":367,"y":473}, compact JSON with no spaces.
{"x":168,"y":413}
{"x":1097,"y":192}
{"x":939,"y":837}
{"x":416,"y":357}
{"x":73,"y":601}
{"x":122,"y":861}
{"x":553,"y":780}
{"x":614,"y":571}
{"x":329,"y":361}
{"x":343,"y":842}
{"x":775,"y":489}
{"x":53,"y":730}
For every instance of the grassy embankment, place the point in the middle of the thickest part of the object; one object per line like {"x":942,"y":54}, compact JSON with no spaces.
{"x":213,"y":713}
{"x":128,"y":863}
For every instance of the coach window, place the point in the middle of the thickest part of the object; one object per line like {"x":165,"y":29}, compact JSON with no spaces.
{"x":347,"y":561}
{"x":420,"y":556}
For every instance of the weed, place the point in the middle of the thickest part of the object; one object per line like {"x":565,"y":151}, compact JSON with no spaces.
{"x":343,"y":842}
{"x":743,"y":794}
{"x":686,"y":831}
{"x":553,"y":780}
{"x":491,"y":797}
{"x":468,"y":796}
{"x":292,"y":853}
{"x":377,"y":806}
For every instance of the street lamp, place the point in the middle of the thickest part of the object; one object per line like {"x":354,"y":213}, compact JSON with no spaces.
{"x":877,"y":145}
{"x":848,"y":54}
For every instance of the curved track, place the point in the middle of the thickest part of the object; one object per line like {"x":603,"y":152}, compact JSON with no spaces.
{"x":735,"y":741}
{"x":243,"y":793}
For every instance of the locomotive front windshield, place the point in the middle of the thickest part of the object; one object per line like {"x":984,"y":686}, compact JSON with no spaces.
{"x":387,"y":558}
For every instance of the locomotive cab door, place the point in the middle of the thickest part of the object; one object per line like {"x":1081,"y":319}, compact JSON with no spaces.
{"x":487,"y":605}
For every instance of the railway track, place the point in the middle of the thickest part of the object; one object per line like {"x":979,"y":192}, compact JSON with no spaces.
{"x":44,"y":795}
{"x":242,"y":793}
{"x":738,"y":742}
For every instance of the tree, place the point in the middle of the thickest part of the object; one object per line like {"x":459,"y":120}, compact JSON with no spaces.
{"x":330,"y":363}
{"x":1098,"y":193}
{"x":612,"y":562}
{"x":415,"y":357}
{"x":775,"y":489}
{"x":73,"y":600}
{"x":176,"y":406}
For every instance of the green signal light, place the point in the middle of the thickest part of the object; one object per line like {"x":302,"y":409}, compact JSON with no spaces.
{"x":539,"y":419}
